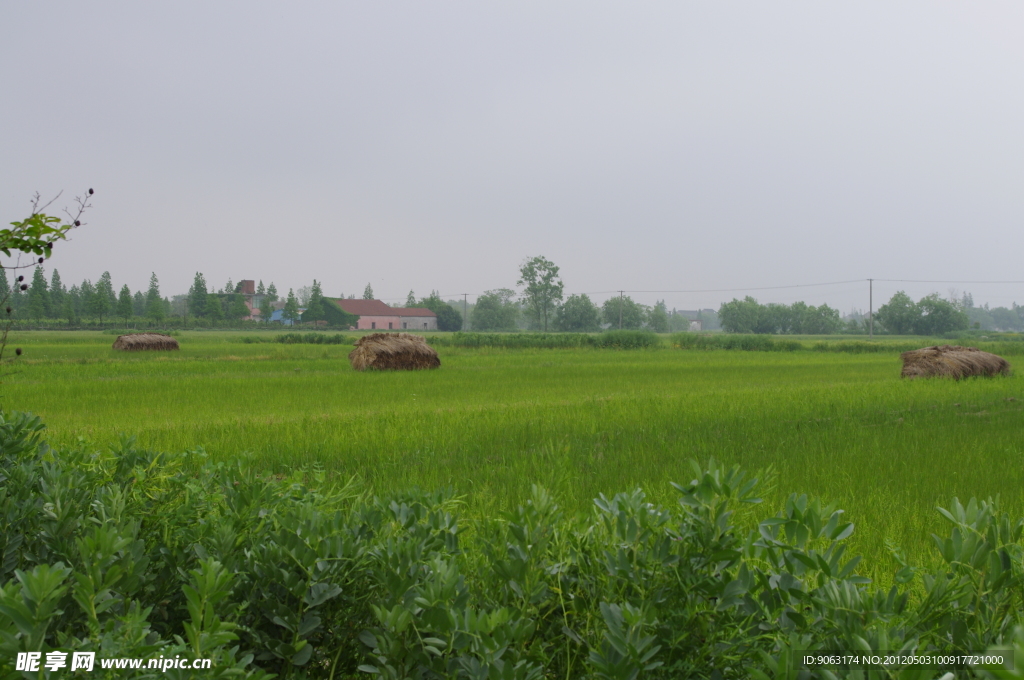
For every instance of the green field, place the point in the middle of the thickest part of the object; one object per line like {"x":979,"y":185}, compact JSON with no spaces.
{"x":580,"y":422}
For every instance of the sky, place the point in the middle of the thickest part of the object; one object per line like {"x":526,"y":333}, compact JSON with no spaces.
{"x":722,"y":149}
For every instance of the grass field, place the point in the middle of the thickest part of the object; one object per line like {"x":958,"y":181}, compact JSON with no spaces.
{"x":580,"y":422}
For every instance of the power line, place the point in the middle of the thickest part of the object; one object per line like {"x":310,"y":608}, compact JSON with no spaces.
{"x":918,"y":281}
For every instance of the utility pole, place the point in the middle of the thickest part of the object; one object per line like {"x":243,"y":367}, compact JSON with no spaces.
{"x":871,"y":309}
{"x":465,"y":318}
{"x":620,"y":309}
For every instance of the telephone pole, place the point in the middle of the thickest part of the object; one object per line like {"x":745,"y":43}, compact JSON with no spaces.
{"x":465,"y":318}
{"x":620,"y":309}
{"x":871,"y":309}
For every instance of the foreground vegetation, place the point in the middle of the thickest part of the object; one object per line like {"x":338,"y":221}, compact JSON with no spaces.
{"x":130,"y":553}
{"x":581,"y":422}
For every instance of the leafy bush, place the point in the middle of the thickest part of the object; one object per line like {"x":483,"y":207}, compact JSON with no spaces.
{"x":627,"y":339}
{"x":132,"y":553}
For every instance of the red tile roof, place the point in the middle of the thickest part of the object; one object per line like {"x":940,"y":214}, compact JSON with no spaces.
{"x":412,"y":311}
{"x":378,"y":308}
{"x":365,"y":307}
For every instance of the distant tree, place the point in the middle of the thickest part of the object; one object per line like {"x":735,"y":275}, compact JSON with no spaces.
{"x":198,"y":297}
{"x":410,"y":299}
{"x":214,"y":307}
{"x":657,"y":319}
{"x":57,"y":295}
{"x":266,"y":309}
{"x":5,"y":287}
{"x":38,"y":296}
{"x":448,"y":319}
{"x":623,"y":310}
{"x":139,"y":304}
{"x":125,"y":308}
{"x":495,"y":310}
{"x":97,"y":304}
{"x":745,"y":316}
{"x":68,"y":309}
{"x":302,"y":295}
{"x":229,"y":287}
{"x":291,"y":308}
{"x":272,"y":292}
{"x":1006,"y":319}
{"x":368,"y":293}
{"x":106,"y":285}
{"x":74,"y":298}
{"x":899,"y":315}
{"x":315,"y":306}
{"x":938,"y":316}
{"x":236,"y":307}
{"x":543,"y":288}
{"x":154,"y":303}
{"x":578,"y":314}
{"x":260,"y":289}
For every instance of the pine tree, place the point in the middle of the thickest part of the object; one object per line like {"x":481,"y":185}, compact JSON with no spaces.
{"x":57,"y":295}
{"x":272,"y":292}
{"x":106,"y":285}
{"x":315,"y":307}
{"x":154,"y":303}
{"x":95,"y":302}
{"x":139,"y":303}
{"x":410,"y":299}
{"x":260,"y":290}
{"x":368,"y":292}
{"x":124,"y":304}
{"x":38,"y":296}
{"x":229,"y":287}
{"x":291,"y":307}
{"x":197,"y":297}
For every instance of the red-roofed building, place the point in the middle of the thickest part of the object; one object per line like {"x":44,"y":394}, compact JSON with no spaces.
{"x":375,"y":315}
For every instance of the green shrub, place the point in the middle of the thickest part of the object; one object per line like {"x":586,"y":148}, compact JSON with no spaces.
{"x":132,"y":553}
{"x":746,"y":342}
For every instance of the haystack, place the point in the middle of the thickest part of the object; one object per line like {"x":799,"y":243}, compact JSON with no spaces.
{"x":140,"y":341}
{"x":952,"y":361}
{"x":393,"y":352}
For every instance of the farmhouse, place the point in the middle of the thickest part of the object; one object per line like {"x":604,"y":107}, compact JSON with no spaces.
{"x":376,"y":315}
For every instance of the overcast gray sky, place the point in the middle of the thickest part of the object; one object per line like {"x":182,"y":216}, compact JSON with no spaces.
{"x":640,"y":146}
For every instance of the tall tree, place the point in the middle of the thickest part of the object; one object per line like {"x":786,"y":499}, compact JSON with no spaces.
{"x":272,"y":292}
{"x":368,"y":292}
{"x":291,"y":308}
{"x":266,"y":309}
{"x":154,"y":303}
{"x":106,"y":286}
{"x":543,"y":288}
{"x":260,"y":289}
{"x":622,"y":312}
{"x":899,"y":315}
{"x":197,"y":296}
{"x":38,"y":296}
{"x":315,"y":307}
{"x":410,"y":299}
{"x":579,"y":315}
{"x":125,"y":308}
{"x":139,"y":303}
{"x":214,"y":307}
{"x":495,"y":310}
{"x":57,"y":294}
{"x":237,"y":309}
{"x":657,"y":319}
{"x":96,"y":303}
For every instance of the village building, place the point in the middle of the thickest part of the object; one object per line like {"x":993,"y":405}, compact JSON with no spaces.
{"x":377,"y":315}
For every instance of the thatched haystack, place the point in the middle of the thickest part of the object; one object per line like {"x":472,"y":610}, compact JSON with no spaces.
{"x":952,"y":361}
{"x":143,"y":341}
{"x":393,"y":352}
